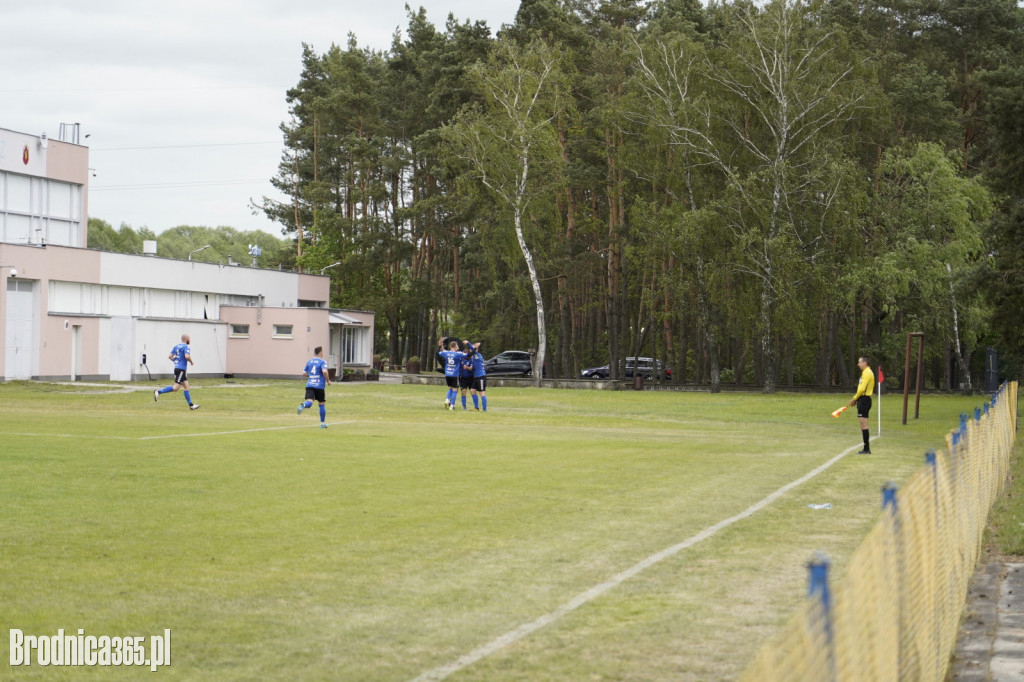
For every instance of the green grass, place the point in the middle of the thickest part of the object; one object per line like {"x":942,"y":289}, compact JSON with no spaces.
{"x":405,"y":536}
{"x":1005,"y":532}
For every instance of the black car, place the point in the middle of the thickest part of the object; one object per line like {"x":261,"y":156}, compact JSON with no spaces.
{"x":510,"y":362}
{"x":648,"y":368}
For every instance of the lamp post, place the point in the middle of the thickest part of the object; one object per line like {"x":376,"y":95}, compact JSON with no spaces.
{"x":198,"y":250}
{"x":332,"y":265}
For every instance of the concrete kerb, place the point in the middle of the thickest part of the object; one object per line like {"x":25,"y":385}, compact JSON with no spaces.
{"x":990,"y":645}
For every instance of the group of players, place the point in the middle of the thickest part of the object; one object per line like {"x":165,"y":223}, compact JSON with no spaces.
{"x":463,"y":370}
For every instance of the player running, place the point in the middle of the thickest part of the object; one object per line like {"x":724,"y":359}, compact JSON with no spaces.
{"x":316,"y":383}
{"x":181,"y":356}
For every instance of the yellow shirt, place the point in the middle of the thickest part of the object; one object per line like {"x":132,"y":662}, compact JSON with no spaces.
{"x":866,"y":385}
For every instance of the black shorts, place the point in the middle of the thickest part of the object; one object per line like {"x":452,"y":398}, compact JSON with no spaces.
{"x":863,"y":406}
{"x":453,"y":382}
{"x":465,"y":382}
{"x":317,"y":394}
{"x":480,"y":384}
{"x":180,"y":376}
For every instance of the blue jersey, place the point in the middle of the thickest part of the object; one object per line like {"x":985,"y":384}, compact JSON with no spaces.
{"x":452,"y":360}
{"x":316,"y":368}
{"x":178,"y":354}
{"x":466,"y":366}
{"x":478,"y":365}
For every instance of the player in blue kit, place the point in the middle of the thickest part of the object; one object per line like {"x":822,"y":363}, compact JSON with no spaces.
{"x":451,"y":359}
{"x":479,"y":386}
{"x":316,"y":371}
{"x":181,"y":356}
{"x":466,"y":371}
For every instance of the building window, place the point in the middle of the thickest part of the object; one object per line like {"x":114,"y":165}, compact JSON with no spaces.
{"x":355,"y":345}
{"x":282,"y":331}
{"x":239,"y":331}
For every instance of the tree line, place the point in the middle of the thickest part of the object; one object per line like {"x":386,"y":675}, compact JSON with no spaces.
{"x":202,"y":244}
{"x":753,"y":194}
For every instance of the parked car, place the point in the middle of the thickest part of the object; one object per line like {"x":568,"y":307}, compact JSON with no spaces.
{"x":648,"y":368}
{"x":510,"y":362}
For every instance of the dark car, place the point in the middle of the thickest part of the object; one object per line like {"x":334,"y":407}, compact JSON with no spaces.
{"x":648,"y":368}
{"x":510,"y":362}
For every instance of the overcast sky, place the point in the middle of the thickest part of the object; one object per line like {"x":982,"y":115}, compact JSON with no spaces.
{"x":182,"y":101}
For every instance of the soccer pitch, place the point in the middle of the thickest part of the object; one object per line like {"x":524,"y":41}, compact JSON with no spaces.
{"x":562,"y":535}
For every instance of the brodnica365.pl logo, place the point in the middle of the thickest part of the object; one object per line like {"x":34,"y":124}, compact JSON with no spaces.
{"x":89,"y":650}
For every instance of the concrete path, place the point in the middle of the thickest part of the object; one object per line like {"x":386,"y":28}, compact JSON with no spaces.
{"x":990,"y":647}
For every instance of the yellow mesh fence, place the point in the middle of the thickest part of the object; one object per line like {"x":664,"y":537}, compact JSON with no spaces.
{"x":896,"y":613}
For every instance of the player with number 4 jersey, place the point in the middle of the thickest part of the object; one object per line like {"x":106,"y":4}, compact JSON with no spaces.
{"x":316,"y":382}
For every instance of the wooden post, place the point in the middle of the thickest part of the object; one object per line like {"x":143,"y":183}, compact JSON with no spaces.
{"x":920,"y":375}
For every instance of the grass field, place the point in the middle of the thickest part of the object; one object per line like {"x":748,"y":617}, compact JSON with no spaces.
{"x":405,"y":536}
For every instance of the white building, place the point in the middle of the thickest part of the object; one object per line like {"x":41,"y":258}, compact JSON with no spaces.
{"x":67,"y":312}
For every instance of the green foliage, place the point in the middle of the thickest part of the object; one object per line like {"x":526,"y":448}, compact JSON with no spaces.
{"x":124,"y":240}
{"x":774,"y":186}
{"x":202,"y":244}
{"x":224,"y":243}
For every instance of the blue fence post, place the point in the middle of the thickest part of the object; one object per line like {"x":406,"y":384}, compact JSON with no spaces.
{"x":954,"y":456}
{"x":889,"y":497}
{"x":890,"y":501}
{"x":964,"y":419}
{"x":817,"y":588}
{"x":932,"y":461}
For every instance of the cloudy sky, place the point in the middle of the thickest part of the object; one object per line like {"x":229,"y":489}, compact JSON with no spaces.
{"x":181,"y":102}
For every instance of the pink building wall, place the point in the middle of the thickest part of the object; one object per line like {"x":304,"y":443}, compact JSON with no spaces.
{"x":261,"y":353}
{"x":54,"y":334}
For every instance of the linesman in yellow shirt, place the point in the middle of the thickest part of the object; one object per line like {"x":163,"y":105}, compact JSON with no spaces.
{"x":863,"y":401}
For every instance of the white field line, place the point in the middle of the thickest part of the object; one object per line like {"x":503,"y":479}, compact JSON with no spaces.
{"x":175,"y":435}
{"x":229,"y":433}
{"x":596,"y":591}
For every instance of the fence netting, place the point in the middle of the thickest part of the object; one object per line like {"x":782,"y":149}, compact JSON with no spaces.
{"x":896,"y":613}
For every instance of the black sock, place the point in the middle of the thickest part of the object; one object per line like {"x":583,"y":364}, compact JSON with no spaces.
{"x":867,"y":438}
